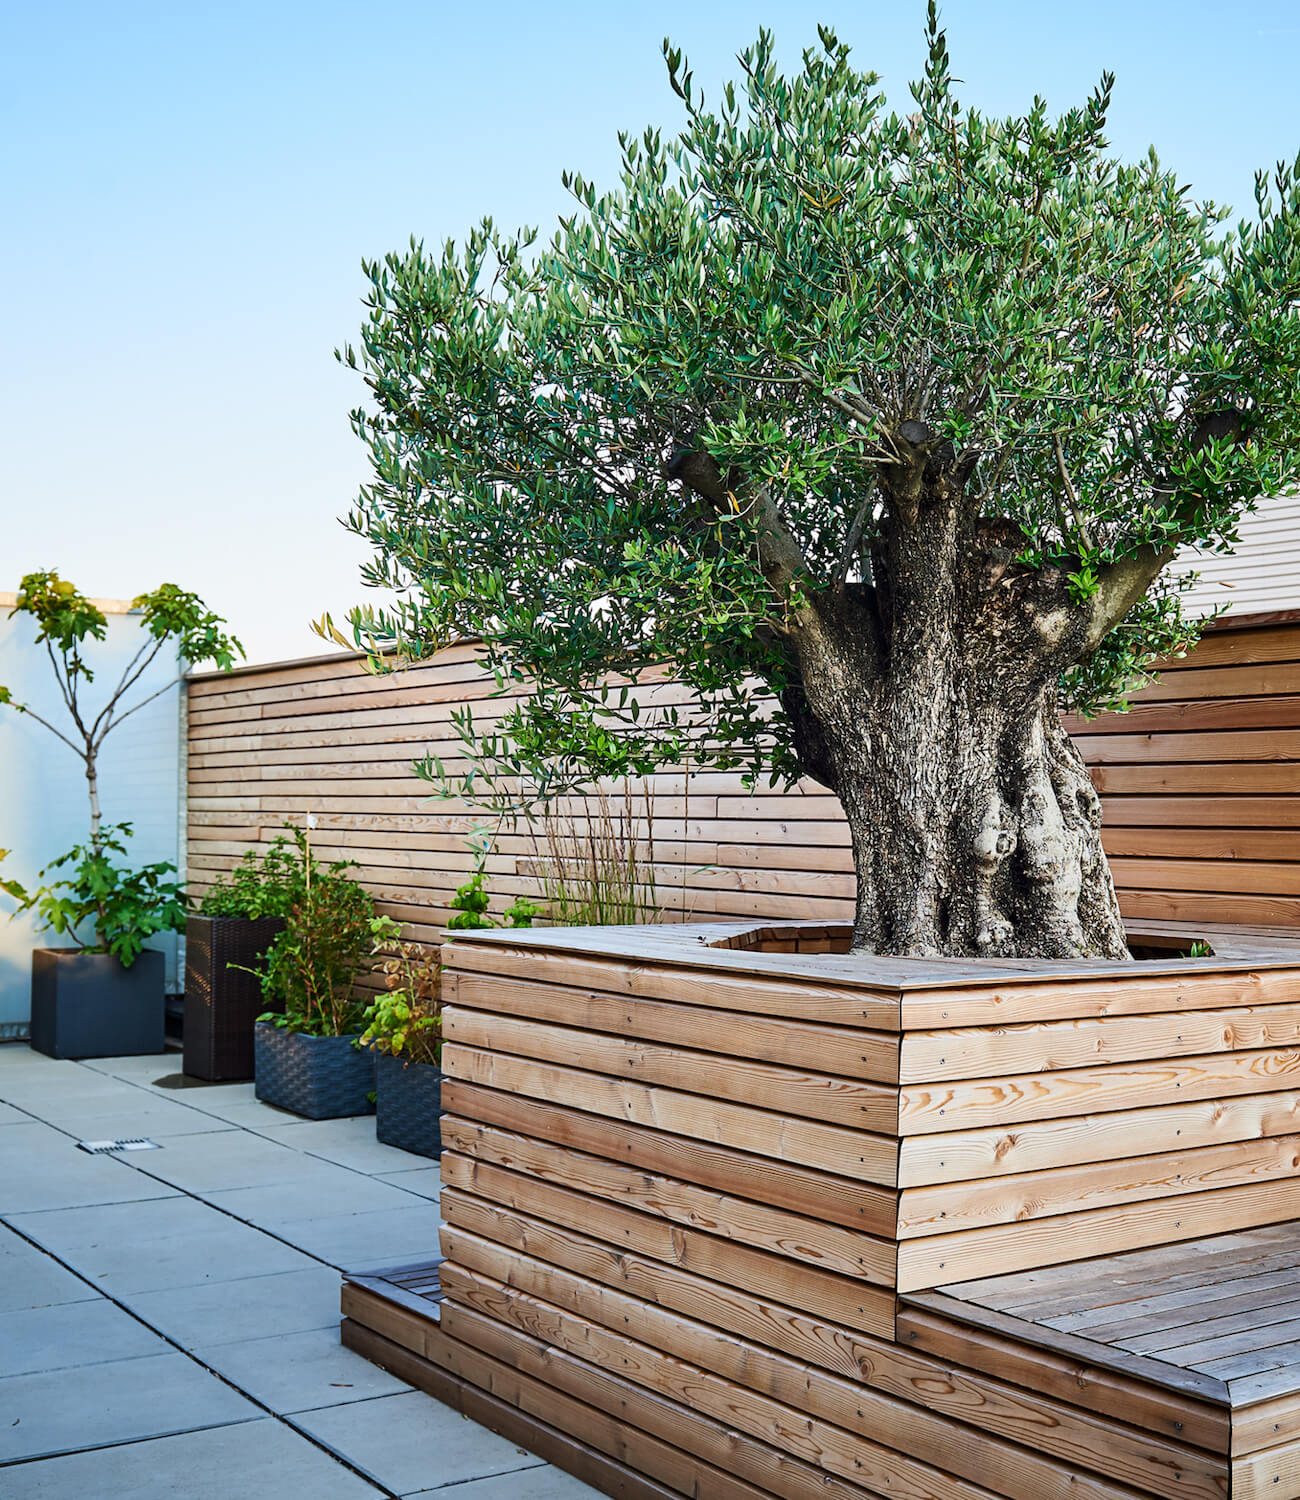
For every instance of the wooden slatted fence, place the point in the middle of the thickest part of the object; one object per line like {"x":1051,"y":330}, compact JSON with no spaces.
{"x":1201,"y":782}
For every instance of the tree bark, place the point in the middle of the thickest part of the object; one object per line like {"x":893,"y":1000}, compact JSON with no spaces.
{"x":932,"y":705}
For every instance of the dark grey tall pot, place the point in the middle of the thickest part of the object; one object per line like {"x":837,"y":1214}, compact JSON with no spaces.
{"x":222,"y":998}
{"x":408,"y":1105}
{"x":91,"y":1005}
{"x":318,"y":1077}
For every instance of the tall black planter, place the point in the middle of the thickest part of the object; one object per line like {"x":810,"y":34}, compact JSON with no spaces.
{"x":89,"y":1005}
{"x":408,"y":1105}
{"x":222,"y":999}
{"x":318,"y":1077}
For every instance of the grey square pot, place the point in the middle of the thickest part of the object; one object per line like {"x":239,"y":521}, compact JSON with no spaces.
{"x":408,"y":1105}
{"x":89,"y":1005}
{"x":318,"y":1077}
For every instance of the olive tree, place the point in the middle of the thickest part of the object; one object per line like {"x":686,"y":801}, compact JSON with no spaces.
{"x":898,"y":417}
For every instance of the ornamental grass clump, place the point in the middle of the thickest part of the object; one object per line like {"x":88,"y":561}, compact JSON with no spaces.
{"x":594,"y":867}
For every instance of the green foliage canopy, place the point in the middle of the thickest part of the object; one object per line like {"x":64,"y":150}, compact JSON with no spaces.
{"x":811,"y":289}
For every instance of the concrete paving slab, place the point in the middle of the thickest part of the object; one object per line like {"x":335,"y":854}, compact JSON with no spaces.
{"x":150,"y":1246}
{"x":360,"y":1241}
{"x":222,"y":1312}
{"x":134,"y":1114}
{"x":142,"y":1068}
{"x":297,"y":1372}
{"x":30,"y":1278}
{"x":61,"y":1411}
{"x":218,"y":1160}
{"x":546,"y":1483}
{"x":409,"y":1442}
{"x":350,"y":1143}
{"x":325,"y":1193}
{"x":425,"y":1181}
{"x":259,"y":1458}
{"x":56,"y":1338}
{"x":42,"y":1169}
{"x":11,"y":1116}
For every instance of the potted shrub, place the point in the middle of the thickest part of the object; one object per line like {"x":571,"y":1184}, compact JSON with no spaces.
{"x":225,"y":942}
{"x":306,"y":1052}
{"x":104,"y":995}
{"x":404,"y":1031}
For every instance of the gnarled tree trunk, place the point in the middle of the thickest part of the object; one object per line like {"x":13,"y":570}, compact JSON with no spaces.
{"x":924,"y":694}
{"x":928,"y":702}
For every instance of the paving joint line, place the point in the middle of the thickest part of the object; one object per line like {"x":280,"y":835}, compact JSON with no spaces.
{"x":178,"y":1191}
{"x":217,"y":1374}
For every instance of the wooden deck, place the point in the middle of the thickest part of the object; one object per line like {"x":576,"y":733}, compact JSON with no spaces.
{"x":1173,"y":1372}
{"x":731,"y":1214}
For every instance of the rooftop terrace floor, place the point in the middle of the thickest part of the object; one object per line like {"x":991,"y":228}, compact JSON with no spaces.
{"x":169,"y":1319}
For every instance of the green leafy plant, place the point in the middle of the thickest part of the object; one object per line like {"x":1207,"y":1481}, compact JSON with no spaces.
{"x":405,"y":1019}
{"x":881,"y":430}
{"x":470,"y":903}
{"x":125,"y":906}
{"x":262,"y":884}
{"x":312,"y":965}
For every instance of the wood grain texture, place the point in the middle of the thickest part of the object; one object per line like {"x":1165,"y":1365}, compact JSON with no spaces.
{"x":1211,"y":747}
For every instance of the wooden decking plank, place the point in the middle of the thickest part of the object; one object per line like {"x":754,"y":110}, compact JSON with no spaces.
{"x":850,"y":1153}
{"x":1142,"y":1367}
{"x":698,"y":1322}
{"x":794,"y":1400}
{"x":1244,"y":1340}
{"x":853,"y":1103}
{"x":1284,"y":1271}
{"x":621,"y":1232}
{"x":1080,"y":1281}
{"x":1169,"y":1328}
{"x":802,"y":1043}
{"x":837,"y":1200}
{"x":477,"y":1153}
{"x":557,"y":1447}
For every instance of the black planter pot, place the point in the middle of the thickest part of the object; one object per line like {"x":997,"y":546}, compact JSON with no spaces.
{"x":318,"y":1077}
{"x":223,"y":1000}
{"x":89,"y":1005}
{"x":408,"y":1105}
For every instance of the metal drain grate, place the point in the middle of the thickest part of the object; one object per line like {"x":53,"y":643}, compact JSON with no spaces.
{"x":135,"y":1143}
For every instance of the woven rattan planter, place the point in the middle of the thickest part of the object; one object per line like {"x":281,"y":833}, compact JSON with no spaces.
{"x":222,"y":999}
{"x":318,"y":1077}
{"x":88,"y":1005}
{"x":408,"y":1105}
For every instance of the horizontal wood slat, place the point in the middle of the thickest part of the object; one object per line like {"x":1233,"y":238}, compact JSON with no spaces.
{"x":1200,"y":781}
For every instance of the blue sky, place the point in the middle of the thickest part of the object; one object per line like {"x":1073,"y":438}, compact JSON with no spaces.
{"x":189,"y":188}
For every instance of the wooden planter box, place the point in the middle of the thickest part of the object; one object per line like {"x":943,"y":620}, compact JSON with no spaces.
{"x":222,"y":998}
{"x":699,"y":1183}
{"x":89,"y":1005}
